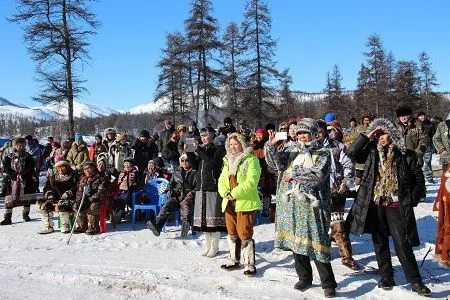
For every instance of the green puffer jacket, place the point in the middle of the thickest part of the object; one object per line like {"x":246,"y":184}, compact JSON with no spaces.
{"x":441,"y":140}
{"x":247,"y":177}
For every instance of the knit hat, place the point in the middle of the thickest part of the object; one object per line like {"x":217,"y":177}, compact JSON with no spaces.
{"x":308,"y":125}
{"x":144,"y":133}
{"x":261,"y":131}
{"x":403,"y":110}
{"x":421,"y":113}
{"x":29,"y":137}
{"x":98,"y":136}
{"x":208,"y":129}
{"x":189,"y":156}
{"x":78,"y":137}
{"x":329,"y":117}
{"x":367,"y":115}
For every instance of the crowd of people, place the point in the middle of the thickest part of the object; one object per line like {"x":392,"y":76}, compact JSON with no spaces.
{"x":220,"y":179}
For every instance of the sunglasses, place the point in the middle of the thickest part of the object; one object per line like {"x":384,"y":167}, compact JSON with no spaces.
{"x":184,"y":160}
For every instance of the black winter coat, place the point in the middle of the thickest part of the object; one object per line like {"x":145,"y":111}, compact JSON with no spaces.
{"x":210,"y":165}
{"x":411,"y":187}
{"x":182,"y":182}
{"x":143,"y":153}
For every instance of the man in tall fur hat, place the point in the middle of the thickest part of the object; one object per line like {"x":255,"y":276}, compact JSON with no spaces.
{"x":20,"y":168}
{"x":392,"y":185}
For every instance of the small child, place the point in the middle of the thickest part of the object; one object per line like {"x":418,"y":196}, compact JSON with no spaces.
{"x":128,"y":183}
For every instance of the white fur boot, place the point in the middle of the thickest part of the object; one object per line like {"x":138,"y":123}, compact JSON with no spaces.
{"x":215,"y":239}
{"x":65,"y":222}
{"x":47,"y":222}
{"x":207,"y":246}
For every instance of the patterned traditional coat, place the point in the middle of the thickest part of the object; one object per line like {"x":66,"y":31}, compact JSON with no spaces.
{"x":303,"y":205}
{"x":98,"y":189}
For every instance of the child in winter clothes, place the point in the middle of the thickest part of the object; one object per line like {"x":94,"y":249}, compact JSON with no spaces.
{"x":128,"y":183}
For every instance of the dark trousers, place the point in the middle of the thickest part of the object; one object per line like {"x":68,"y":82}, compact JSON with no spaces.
{"x":185,"y":205}
{"x":388,"y":220}
{"x":304,"y":271}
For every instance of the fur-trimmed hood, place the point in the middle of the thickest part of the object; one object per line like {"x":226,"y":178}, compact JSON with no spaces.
{"x":240,"y":138}
{"x":388,"y":127}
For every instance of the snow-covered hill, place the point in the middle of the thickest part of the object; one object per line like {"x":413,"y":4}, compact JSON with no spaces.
{"x":53,"y":111}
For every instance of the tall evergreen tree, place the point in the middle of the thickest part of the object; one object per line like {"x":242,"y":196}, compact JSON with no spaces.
{"x":57,"y":33}
{"x":171,"y":80}
{"x":378,"y":77}
{"x":201,"y":32}
{"x":428,"y":81}
{"x":288,"y":106}
{"x":231,"y":61}
{"x":407,"y":83}
{"x":259,"y":65}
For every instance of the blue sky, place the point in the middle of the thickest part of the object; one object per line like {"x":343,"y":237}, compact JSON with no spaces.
{"x":312,"y":37}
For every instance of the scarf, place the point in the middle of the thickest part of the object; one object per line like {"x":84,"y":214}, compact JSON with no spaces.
{"x":387,"y":181}
{"x":233,"y":162}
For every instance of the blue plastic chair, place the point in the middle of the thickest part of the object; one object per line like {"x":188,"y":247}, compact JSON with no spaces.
{"x":175,"y":214}
{"x":155,"y":190}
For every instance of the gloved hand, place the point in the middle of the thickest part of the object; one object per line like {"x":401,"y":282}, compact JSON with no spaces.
{"x":67,"y":195}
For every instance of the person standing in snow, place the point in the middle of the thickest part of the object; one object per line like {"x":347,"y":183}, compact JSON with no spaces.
{"x":78,"y":154}
{"x":20,"y":168}
{"x":392,"y":185}
{"x":238,"y":186}
{"x":303,"y":204}
{"x":208,"y":215}
{"x":441,"y":142}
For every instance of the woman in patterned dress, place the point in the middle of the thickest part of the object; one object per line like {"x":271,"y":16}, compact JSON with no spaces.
{"x":303,"y":204}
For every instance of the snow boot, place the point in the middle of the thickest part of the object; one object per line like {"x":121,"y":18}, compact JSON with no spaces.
{"x":207,"y":246}
{"x":248,"y":247}
{"x":81,"y":226}
{"x":154,"y":227}
{"x":185,"y":226}
{"x":65,"y":222}
{"x":92,"y":227}
{"x":7,"y":218}
{"x":234,"y":245}
{"x":26,"y":214}
{"x":340,"y":236}
{"x":215,"y":239}
{"x":47,"y":222}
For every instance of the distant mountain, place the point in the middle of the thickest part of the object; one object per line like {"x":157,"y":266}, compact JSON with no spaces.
{"x":9,"y":108}
{"x":80,"y":110}
{"x":53,"y":111}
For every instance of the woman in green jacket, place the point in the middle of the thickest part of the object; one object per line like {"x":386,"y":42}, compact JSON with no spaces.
{"x":238,"y":187}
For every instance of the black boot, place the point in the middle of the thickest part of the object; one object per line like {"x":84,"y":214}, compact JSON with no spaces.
{"x":7,"y":220}
{"x":154,"y":227}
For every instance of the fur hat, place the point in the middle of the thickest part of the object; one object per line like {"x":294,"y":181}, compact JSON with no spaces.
{"x":61,"y":161}
{"x":308,"y":125}
{"x":110,"y":130}
{"x":336,"y":125}
{"x":403,"y":110}
{"x":283,"y":126}
{"x":19,"y":140}
{"x":130,"y":160}
{"x":66,"y":145}
{"x":367,"y":115}
{"x":98,"y":136}
{"x":89,"y":164}
{"x":389,"y":128}
{"x":261,"y":131}
{"x":121,"y":136}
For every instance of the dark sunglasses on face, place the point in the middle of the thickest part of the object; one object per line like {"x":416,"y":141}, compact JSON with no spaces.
{"x":184,"y":160}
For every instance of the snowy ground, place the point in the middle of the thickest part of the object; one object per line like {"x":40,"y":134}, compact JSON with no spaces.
{"x":124,"y":264}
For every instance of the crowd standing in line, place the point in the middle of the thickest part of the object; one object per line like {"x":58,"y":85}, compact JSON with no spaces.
{"x":221,"y":179}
